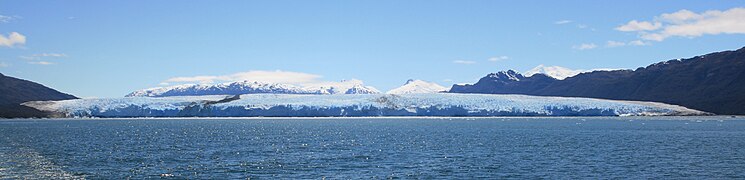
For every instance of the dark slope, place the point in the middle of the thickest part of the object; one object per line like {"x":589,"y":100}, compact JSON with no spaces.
{"x":14,"y":91}
{"x":714,"y":82}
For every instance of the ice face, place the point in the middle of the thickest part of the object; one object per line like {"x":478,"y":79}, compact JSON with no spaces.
{"x":433,"y":104}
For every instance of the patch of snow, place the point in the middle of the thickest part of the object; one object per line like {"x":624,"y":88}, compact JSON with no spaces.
{"x":559,"y":72}
{"x":417,"y":87}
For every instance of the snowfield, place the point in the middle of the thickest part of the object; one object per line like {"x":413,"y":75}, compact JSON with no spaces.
{"x":354,"y":105}
{"x":415,"y":86}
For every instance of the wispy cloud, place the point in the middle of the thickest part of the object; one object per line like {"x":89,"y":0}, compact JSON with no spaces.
{"x":611,"y":44}
{"x":464,"y":62}
{"x":42,"y":55}
{"x":7,"y":19}
{"x":277,"y":76}
{"x":638,"y":43}
{"x":685,"y":23}
{"x":559,"y":22}
{"x":498,"y":58}
{"x":614,"y":44}
{"x":585,"y":46}
{"x":50,"y":55}
{"x":3,"y":64}
{"x":13,"y":39}
{"x":28,"y":58}
{"x":37,"y":58}
{"x":639,"y":26}
{"x":41,"y":63}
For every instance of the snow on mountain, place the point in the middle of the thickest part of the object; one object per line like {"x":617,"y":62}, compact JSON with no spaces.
{"x":353,"y":86}
{"x":243,"y":87}
{"x":506,"y":75}
{"x":296,"y":105}
{"x":417,"y":87}
{"x":557,"y":72}
{"x":247,"y":87}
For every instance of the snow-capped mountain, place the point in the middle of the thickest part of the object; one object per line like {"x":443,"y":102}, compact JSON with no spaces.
{"x":249,"y":87}
{"x":243,"y":87}
{"x":352,"y":86}
{"x":417,"y":87}
{"x":561,"y":73}
{"x":557,"y":72}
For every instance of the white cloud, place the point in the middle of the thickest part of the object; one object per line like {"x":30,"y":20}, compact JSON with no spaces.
{"x":50,"y":55}
{"x":634,"y":25}
{"x":611,"y":44}
{"x":585,"y":46}
{"x":582,"y":26}
{"x":260,"y":76}
{"x":638,"y":43}
{"x":42,"y":55}
{"x":41,"y":63}
{"x":615,"y":44}
{"x":681,"y":16}
{"x":29,"y":58}
{"x":447,"y":80}
{"x":498,"y":58}
{"x":464,"y":62}
{"x":563,"y":22}
{"x":685,"y":23}
{"x":6,"y":19}
{"x":37,"y":58}
{"x":3,"y":64}
{"x":13,"y":39}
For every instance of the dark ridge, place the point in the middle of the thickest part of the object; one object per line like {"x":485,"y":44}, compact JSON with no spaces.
{"x":14,"y":91}
{"x":713,"y":82}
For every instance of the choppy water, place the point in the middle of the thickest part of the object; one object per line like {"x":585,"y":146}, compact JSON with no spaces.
{"x":459,"y":148}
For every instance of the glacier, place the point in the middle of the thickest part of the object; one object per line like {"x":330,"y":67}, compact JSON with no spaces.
{"x":354,"y":105}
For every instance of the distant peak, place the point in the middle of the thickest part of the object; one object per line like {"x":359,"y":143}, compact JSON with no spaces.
{"x":415,"y":86}
{"x":509,"y":74}
{"x":556,"y":72}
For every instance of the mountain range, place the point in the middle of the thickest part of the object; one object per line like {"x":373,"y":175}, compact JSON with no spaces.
{"x":713,"y":82}
{"x":14,"y":91}
{"x":251,"y":87}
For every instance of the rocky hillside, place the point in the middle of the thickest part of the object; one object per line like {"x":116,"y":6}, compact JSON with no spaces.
{"x":714,"y":83}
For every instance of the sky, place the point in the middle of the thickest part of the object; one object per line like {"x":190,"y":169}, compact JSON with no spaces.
{"x":110,"y":48}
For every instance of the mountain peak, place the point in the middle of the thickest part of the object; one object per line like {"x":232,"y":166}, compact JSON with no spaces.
{"x":352,"y":86}
{"x":556,"y":72}
{"x":506,"y":75}
{"x":415,"y":86}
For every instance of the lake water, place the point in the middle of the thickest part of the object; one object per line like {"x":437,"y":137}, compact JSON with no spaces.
{"x":344,"y":148}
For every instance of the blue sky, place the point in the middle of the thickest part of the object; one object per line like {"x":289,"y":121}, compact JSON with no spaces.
{"x":110,"y":48}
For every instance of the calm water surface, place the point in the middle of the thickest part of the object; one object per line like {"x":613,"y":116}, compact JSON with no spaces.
{"x":457,"y":148}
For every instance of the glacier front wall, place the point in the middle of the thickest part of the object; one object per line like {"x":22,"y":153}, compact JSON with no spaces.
{"x":356,"y":105}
